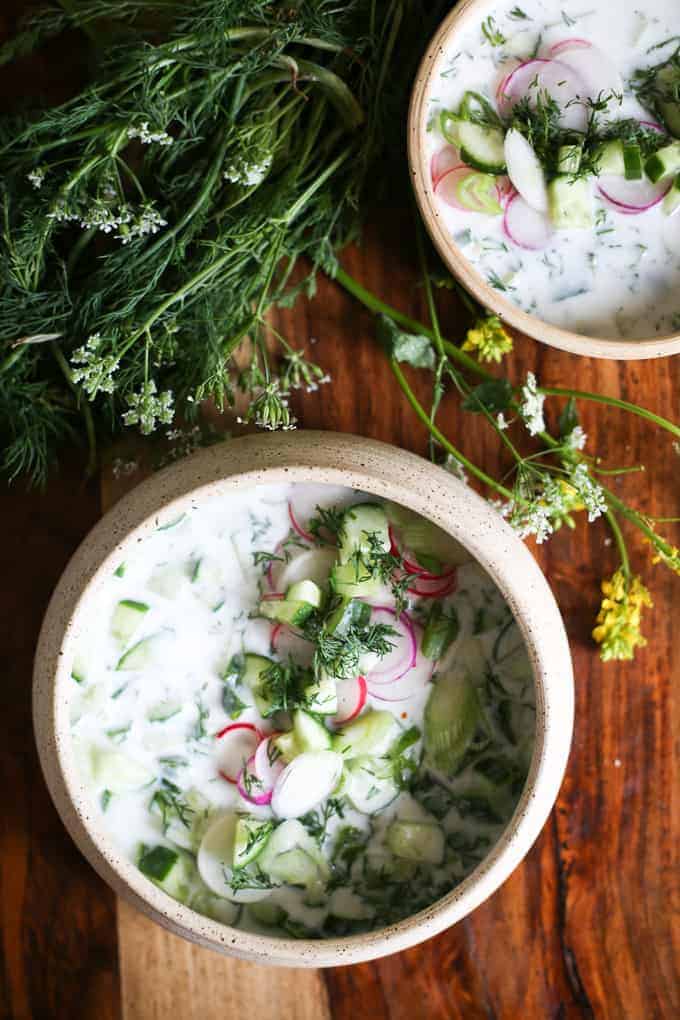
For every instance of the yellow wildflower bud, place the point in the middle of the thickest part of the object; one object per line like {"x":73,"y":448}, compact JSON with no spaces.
{"x":488,"y":339}
{"x":617,"y":629}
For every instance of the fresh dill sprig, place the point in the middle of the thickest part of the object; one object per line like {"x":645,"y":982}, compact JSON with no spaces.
{"x":169,"y":802}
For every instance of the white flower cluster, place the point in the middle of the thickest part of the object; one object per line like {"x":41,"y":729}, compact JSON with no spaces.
{"x":127,"y":221}
{"x":531,"y":407}
{"x":147,"y":221}
{"x":591,"y":494}
{"x":248,"y":174}
{"x":577,"y":438}
{"x":148,"y":408}
{"x":36,"y":177}
{"x":148,"y":136}
{"x":93,"y":368}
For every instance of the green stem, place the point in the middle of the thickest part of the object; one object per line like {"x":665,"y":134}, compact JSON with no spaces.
{"x":624,"y":405}
{"x":83,"y":406}
{"x":620,"y":542}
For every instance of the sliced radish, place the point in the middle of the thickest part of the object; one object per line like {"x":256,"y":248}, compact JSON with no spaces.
{"x":412,"y":683}
{"x":297,"y":527}
{"x":434,"y":588}
{"x":632,"y":197}
{"x":446,"y":159}
{"x":505,"y":189}
{"x":537,"y":77}
{"x":411,"y":564}
{"x":237,"y":742}
{"x":525,"y":170}
{"x":303,"y":565}
{"x":448,"y":189}
{"x":351,"y":699}
{"x":214,"y":858}
{"x":268,"y":763}
{"x":304,"y":502}
{"x":305,"y":782}
{"x":569,"y":44}
{"x":404,"y":649}
{"x":653,"y":126}
{"x":595,"y":70}
{"x":251,"y":787}
{"x":288,"y":644}
{"x":524,"y":226}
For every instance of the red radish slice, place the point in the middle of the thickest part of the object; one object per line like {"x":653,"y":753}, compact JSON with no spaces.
{"x":446,"y":159}
{"x":402,"y":655}
{"x":524,"y":226}
{"x":569,"y":44}
{"x":309,"y":564}
{"x":351,"y":699}
{"x":653,"y":126}
{"x":448,"y":189}
{"x":410,"y":561}
{"x":632,"y":197}
{"x":288,"y":644}
{"x":237,"y":742}
{"x":594,"y":69}
{"x":412,"y":683}
{"x":304,"y":502}
{"x":297,"y":527}
{"x":251,"y":787}
{"x":505,"y":189}
{"x":433,"y":589}
{"x":559,"y":80}
{"x":268,"y":763}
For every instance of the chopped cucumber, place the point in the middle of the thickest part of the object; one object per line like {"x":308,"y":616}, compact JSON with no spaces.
{"x":216,"y":907}
{"x":116,"y":771}
{"x":416,"y":841}
{"x":422,"y":538}
{"x":364,"y":531}
{"x":140,"y":655}
{"x":321,"y":696}
{"x":482,"y":147}
{"x":168,"y":869}
{"x":571,"y":203}
{"x":610,"y":161}
{"x":670,"y":112}
{"x":370,"y":786}
{"x":293,"y":857}
{"x":305,"y":591}
{"x":354,"y":580}
{"x":478,"y":192}
{"x":254,"y":666}
{"x":250,"y":838}
{"x":349,"y":906}
{"x":373,"y":733}
{"x":569,"y":158}
{"x":671,"y":204}
{"x":349,"y":613}
{"x":310,"y":735}
{"x":267,"y":913}
{"x":664,"y":162}
{"x":451,"y":716}
{"x":632,"y":161}
{"x":287,"y":745}
{"x":127,"y":617}
{"x":440,"y":632}
{"x":214,"y":859}
{"x":302,"y":598}
{"x":164,"y":710}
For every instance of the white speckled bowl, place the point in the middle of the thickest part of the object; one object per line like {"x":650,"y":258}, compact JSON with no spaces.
{"x":443,"y":41}
{"x":339,"y":460}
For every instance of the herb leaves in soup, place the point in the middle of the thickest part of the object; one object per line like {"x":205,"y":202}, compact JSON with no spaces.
{"x":554,"y":148}
{"x":302,"y":711}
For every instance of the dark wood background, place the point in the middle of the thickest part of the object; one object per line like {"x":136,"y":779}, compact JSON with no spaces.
{"x":589,"y":925}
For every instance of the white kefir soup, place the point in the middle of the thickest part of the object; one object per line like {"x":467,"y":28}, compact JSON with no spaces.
{"x":554,"y":156}
{"x":301,"y":710}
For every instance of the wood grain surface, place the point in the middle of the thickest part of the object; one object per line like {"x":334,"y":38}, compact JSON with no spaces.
{"x":588,"y":926}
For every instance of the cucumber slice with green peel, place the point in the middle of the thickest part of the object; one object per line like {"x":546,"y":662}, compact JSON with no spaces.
{"x":477,"y":191}
{"x":441,"y":630}
{"x":663,"y":163}
{"x":373,"y":733}
{"x":569,"y":158}
{"x":214,"y":860}
{"x":571,"y":203}
{"x":250,"y":838}
{"x":267,"y":913}
{"x":632,"y":161}
{"x":127,"y":617}
{"x":369,"y":784}
{"x":349,"y":613}
{"x":286,"y":611}
{"x":354,"y":580}
{"x":671,"y":204}
{"x":670,"y":114}
{"x":305,"y":591}
{"x":364,"y":531}
{"x":309,"y":734}
{"x":293,"y":857}
{"x":610,"y":162}
{"x":287,"y":745}
{"x":420,"y":537}
{"x":215,"y":907}
{"x":321,"y":696}
{"x":451,"y":717}
{"x":253,"y":668}
{"x":416,"y":841}
{"x":117,"y":771}
{"x":481,"y":147}
{"x":348,"y":905}
{"x":307,"y":780}
{"x":140,"y":655}
{"x":163,"y":711}
{"x":169,"y":869}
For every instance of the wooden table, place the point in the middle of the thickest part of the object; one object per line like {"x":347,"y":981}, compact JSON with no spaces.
{"x":588,"y":926}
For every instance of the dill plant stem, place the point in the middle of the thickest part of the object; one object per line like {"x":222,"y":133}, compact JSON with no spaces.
{"x":620,"y":542}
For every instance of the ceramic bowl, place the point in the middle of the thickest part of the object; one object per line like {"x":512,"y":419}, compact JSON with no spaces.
{"x":443,"y":43}
{"x":376,"y":468}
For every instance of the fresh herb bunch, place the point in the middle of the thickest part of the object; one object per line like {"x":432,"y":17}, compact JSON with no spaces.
{"x":552,"y":484}
{"x":148,"y":223}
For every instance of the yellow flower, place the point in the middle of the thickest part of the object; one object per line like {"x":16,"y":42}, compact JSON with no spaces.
{"x":618,"y":622}
{"x":671,"y":557}
{"x":488,"y":339}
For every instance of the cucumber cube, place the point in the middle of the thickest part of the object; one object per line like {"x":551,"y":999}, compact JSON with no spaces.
{"x":250,"y":839}
{"x":305,"y":591}
{"x":321,"y":696}
{"x":354,"y":580}
{"x":416,"y":841}
{"x":373,"y":733}
{"x":569,"y":158}
{"x":610,"y":160}
{"x":168,"y":869}
{"x":663,"y":163}
{"x":127,"y":616}
{"x":365,"y":529}
{"x":570,"y":203}
{"x":632,"y":161}
{"x":309,"y":734}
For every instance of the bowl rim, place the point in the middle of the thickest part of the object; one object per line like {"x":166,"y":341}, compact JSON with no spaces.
{"x":454,"y":258}
{"x":382,"y":470}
